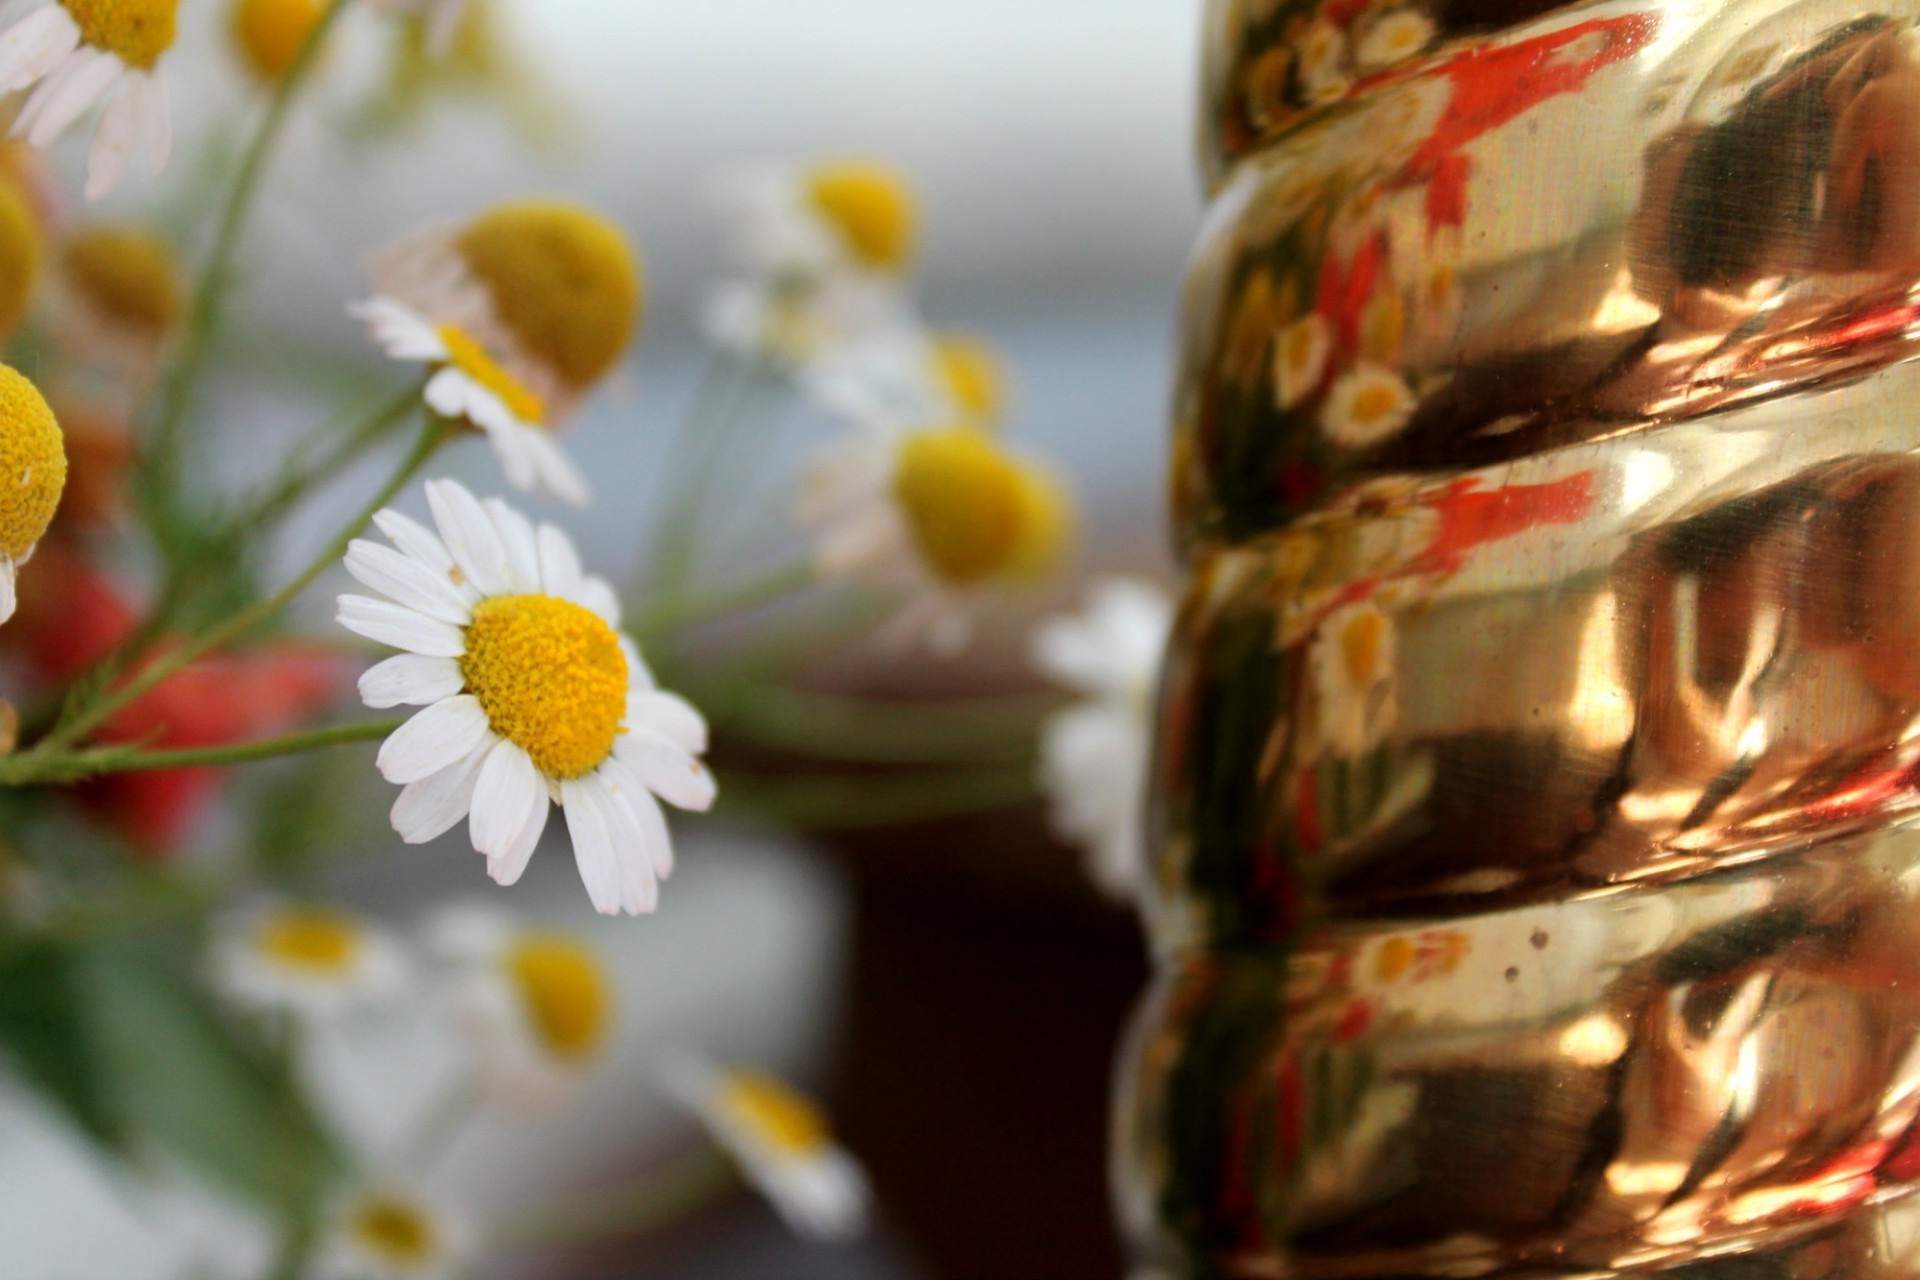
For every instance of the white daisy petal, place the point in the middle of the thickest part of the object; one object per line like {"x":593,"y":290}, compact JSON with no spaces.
{"x":516,"y":460}
{"x":433,"y":739}
{"x":598,"y":595}
{"x":517,"y":536}
{"x":406,"y":581}
{"x":403,"y":628}
{"x":507,"y":867}
{"x":469,"y":534}
{"x":560,"y":571}
{"x":671,"y":716}
{"x":154,"y":109}
{"x":398,"y":331}
{"x":503,"y":798}
{"x":410,"y":680}
{"x":435,"y":805}
{"x":653,"y":821}
{"x":9,"y":598}
{"x":65,"y":96}
{"x":32,"y":47}
{"x":450,"y":393}
{"x":667,"y":770}
{"x":593,"y":850}
{"x":558,"y":475}
{"x":115,"y":137}
{"x":422,"y":544}
{"x":639,"y":886}
{"x":487,"y":410}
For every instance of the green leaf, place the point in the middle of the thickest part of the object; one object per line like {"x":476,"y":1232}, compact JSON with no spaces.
{"x":44,"y":1031}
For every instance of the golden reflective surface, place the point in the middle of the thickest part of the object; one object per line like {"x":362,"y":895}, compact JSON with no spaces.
{"x":1544,"y":716}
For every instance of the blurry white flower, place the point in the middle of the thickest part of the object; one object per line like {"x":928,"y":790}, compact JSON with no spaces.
{"x":469,"y":385}
{"x":383,"y":1233}
{"x":1393,"y":36}
{"x":782,"y":1143}
{"x":1367,"y":404}
{"x":73,"y":53}
{"x":309,"y":960}
{"x":937,"y":515}
{"x":1351,"y":680}
{"x":1322,"y":62}
{"x":911,"y":375}
{"x":1094,"y":754}
{"x":537,"y":1003}
{"x":531,"y":696}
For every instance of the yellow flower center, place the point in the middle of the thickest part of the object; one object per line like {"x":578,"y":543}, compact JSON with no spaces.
{"x":1379,"y":400}
{"x":33,"y":465}
{"x":963,"y":502}
{"x":563,"y":280}
{"x":970,"y":371}
{"x":781,"y":1117}
{"x":871,"y":206}
{"x":551,"y":678}
{"x":564,"y":991}
{"x":1046,"y":524}
{"x":1363,"y":646}
{"x":311,"y":939}
{"x":395,"y":1231}
{"x":270,"y":33}
{"x":470,"y":358}
{"x":20,"y":256}
{"x":129,"y":275}
{"x":135,"y":31}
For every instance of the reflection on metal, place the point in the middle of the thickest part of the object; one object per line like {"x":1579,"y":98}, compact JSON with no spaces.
{"x":1538,"y":793}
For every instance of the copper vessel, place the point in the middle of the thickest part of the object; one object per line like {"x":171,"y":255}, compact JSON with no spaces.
{"x":1536,"y":892}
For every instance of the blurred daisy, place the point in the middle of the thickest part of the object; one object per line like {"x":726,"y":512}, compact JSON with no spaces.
{"x":117,"y":299}
{"x":442,"y":18}
{"x":938,"y":515}
{"x":33,"y":473}
{"x":383,"y":1233}
{"x":915,"y":376}
{"x":1351,"y":679}
{"x":537,"y":1003}
{"x":530,"y":306}
{"x":530,"y":694}
{"x":1093,"y":755}
{"x":783,"y":1144}
{"x":308,"y":960}
{"x":269,"y":34}
{"x":1395,"y":35}
{"x":73,"y":53}
{"x":1367,"y":404}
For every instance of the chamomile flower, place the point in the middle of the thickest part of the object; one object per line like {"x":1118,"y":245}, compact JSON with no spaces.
{"x":531,"y":305}
{"x":913,"y":375}
{"x":1352,"y":704}
{"x":309,"y":960}
{"x":117,"y":298}
{"x":1093,"y":754}
{"x":783,"y":1144}
{"x":388,"y":1233}
{"x":939,"y":515}
{"x":33,"y":473}
{"x":1366,"y":405}
{"x":73,"y":53}
{"x":530,"y":696}
{"x":536,"y":1003}
{"x":269,"y":34}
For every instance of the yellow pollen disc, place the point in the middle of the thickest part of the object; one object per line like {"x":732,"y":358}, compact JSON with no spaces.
{"x":311,"y":939}
{"x":269,"y":34}
{"x":33,"y":465}
{"x":961,"y":498}
{"x":21,"y":256}
{"x":129,"y":275}
{"x":871,"y":206}
{"x":470,"y":358}
{"x":1047,"y":522}
{"x":971,"y":372}
{"x":135,"y":31}
{"x":395,"y":1231}
{"x":564,"y":991}
{"x":563,"y":280}
{"x":784,"y":1119}
{"x":1375,"y":402}
{"x":551,"y":678}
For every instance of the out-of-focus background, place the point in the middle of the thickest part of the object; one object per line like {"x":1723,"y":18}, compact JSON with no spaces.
{"x":954,"y":991}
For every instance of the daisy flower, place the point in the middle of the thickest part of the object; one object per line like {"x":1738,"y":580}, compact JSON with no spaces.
{"x":73,"y":53}
{"x":783,"y":1144}
{"x":1093,"y":755}
{"x":117,"y":299}
{"x":33,"y":472}
{"x":1351,"y":677}
{"x":522,"y":311}
{"x":1367,"y":404}
{"x":939,"y":515}
{"x":536,"y":1003}
{"x":916,"y":376}
{"x":308,"y":960}
{"x":385,"y":1233}
{"x":530,"y":694}
{"x":1394,"y":36}
{"x":269,"y":34}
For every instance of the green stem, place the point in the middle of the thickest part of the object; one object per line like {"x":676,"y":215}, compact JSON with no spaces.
{"x":59,"y":768}
{"x":301,"y":480}
{"x":691,"y":610}
{"x":687,"y":1185}
{"x":160,"y":490}
{"x":247,"y":619}
{"x":693,"y":464}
